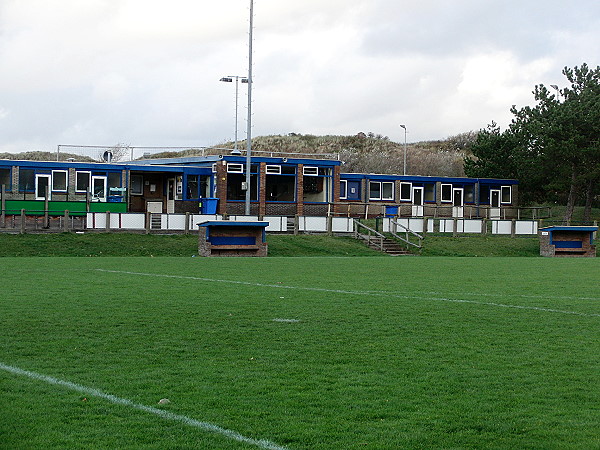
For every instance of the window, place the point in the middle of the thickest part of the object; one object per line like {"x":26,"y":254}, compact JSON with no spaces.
{"x":387,"y":191}
{"x":310,"y":171}
{"x":5,"y":178}
{"x":374,"y":190}
{"x":469,"y":193}
{"x":446,"y":193}
{"x":381,"y":190}
{"x":137,"y":185}
{"x":59,"y":180}
{"x":429,"y":192}
{"x":273,"y":170}
{"x":26,"y":180}
{"x":343,"y":189}
{"x":235,"y":168}
{"x":506,"y":194}
{"x":405,"y":192}
{"x":114,"y":180}
{"x":82,"y":181}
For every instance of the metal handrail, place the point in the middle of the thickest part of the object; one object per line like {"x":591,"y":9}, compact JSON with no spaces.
{"x":377,"y":239}
{"x":407,"y":230}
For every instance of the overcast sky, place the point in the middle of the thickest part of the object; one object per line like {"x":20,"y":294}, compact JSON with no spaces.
{"x":146,"y":72}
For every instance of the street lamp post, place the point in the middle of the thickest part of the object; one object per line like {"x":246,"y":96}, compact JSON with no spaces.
{"x":229,"y":79}
{"x":555,"y":87}
{"x":404,"y":168}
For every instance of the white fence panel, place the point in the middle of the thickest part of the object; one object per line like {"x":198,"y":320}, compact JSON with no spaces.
{"x":526,"y":227}
{"x":95,"y":221}
{"x":318,"y":224}
{"x":244,"y":218}
{"x":277,"y":224}
{"x":446,"y":225}
{"x":472,"y":226}
{"x":501,"y":227}
{"x":173,"y":221}
{"x":133,"y":221}
{"x":342,"y":225}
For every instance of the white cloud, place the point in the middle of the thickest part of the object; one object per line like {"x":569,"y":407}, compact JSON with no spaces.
{"x":146,"y":72}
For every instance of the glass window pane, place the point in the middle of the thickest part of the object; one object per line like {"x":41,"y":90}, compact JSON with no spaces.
{"x":387,"y":191}
{"x":506,"y":194}
{"x":430,"y":192}
{"x":26,"y":180}
{"x":5,"y":178}
{"x":82,"y":181}
{"x":405,"y":189}
{"x":375,"y":190}
{"x":446,"y":192}
{"x":59,"y":180}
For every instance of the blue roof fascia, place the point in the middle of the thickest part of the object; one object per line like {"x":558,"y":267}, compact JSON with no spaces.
{"x":424,"y":178}
{"x":283,"y":160}
{"x":60,"y":165}
{"x":497,"y":181}
{"x":91,"y":166}
{"x":569,"y":228}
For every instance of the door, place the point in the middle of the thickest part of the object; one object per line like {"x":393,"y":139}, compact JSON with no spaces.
{"x":494,"y":203}
{"x":42,"y":186}
{"x":457,"y":202}
{"x":98,"y":189}
{"x":417,"y":209}
{"x":353,"y":190}
{"x":170,"y":195}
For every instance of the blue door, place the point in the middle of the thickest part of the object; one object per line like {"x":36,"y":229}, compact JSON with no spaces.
{"x":353,"y":190}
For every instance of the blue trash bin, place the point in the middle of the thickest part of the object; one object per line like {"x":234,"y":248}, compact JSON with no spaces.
{"x":391,"y":211}
{"x":209,"y":205}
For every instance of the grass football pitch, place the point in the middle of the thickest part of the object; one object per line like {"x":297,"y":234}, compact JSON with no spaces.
{"x":299,"y":353}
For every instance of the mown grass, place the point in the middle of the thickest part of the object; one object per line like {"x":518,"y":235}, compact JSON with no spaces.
{"x":127,"y":244}
{"x":386,"y":352}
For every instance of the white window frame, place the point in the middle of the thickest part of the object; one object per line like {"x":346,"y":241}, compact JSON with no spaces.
{"x":42,"y":195}
{"x":391,"y":183}
{"x":272,"y":169}
{"x":381,"y":183}
{"x":66,"y":174}
{"x":374,"y":183}
{"x":345,"y":183}
{"x":104,"y":179}
{"x":410,"y":190}
{"x":235,"y":168}
{"x":502,"y":188}
{"x":89,"y":175}
{"x":446,"y":200}
{"x":310,"y":171}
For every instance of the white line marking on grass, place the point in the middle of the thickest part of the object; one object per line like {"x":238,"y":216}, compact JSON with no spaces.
{"x":261,"y":443}
{"x":487,"y":294}
{"x":340,"y":291}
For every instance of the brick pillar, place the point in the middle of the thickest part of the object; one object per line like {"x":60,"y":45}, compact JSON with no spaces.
{"x":300,"y":190}
{"x":222,"y":186}
{"x":336,"y":189}
{"x":262,"y":193}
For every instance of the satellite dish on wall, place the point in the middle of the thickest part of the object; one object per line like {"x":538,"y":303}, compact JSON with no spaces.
{"x":107,"y":156}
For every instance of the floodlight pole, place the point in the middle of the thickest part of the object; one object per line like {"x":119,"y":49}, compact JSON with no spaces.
{"x":404,"y":167}
{"x":249,"y":121}
{"x":229,"y":79}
